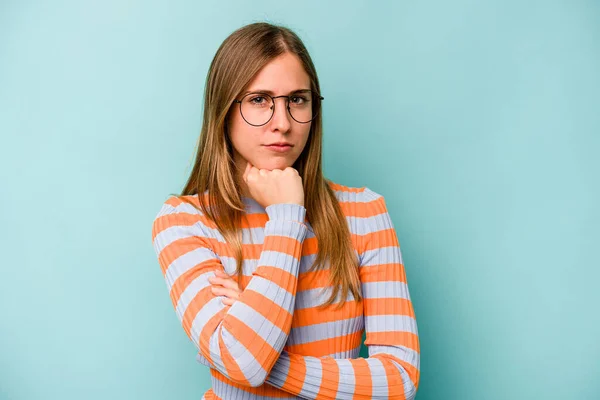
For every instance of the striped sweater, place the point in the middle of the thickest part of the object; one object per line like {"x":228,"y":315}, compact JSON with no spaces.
{"x":274,"y":343}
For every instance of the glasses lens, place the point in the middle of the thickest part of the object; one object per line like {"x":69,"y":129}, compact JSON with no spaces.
{"x":303,"y":106}
{"x":257,"y":108}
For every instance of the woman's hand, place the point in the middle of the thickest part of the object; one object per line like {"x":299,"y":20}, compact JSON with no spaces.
{"x":224,"y":285}
{"x":274,"y":187}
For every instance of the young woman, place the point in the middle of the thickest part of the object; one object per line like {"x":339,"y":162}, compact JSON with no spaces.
{"x":274,"y":271}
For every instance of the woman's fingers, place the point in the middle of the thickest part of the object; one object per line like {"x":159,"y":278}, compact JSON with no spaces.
{"x":228,"y":283}
{"x":222,"y":291}
{"x":224,"y":285}
{"x":227,"y":301}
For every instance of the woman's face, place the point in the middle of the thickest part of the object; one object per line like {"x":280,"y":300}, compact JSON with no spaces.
{"x":282,"y":76}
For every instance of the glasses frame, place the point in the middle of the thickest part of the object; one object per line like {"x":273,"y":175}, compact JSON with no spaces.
{"x":316,"y":112}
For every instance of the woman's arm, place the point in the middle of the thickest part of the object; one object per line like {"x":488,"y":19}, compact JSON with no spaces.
{"x":392,"y":369}
{"x":242,"y":341}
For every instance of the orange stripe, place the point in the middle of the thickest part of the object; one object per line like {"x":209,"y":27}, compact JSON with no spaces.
{"x":313,"y":280}
{"x":388,"y":306}
{"x":379,"y":239}
{"x":272,"y":311}
{"x":206,"y":333}
{"x":361,"y":209}
{"x":210,"y":395}
{"x":185,"y":279}
{"x":262,"y":351}
{"x":233,"y":369}
{"x":413,"y":373}
{"x":310,"y":246}
{"x":331,"y":373}
{"x":193,"y":200}
{"x":249,"y":251}
{"x":356,"y":209}
{"x":178,"y":248}
{"x":363,"y":388}
{"x":306,"y":280}
{"x":199,"y":300}
{"x":296,"y":374}
{"x":383,"y":273}
{"x":315,"y":315}
{"x":323,"y":347}
{"x":394,"y":379}
{"x":341,"y":188}
{"x":262,"y":390}
{"x":280,"y":277}
{"x":173,"y":201}
{"x":397,"y":338}
{"x":229,"y":363}
{"x":254,"y":220}
{"x":283,"y":244}
{"x":176,"y":219}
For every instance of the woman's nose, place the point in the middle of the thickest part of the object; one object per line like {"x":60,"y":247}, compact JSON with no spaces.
{"x":281,"y":116}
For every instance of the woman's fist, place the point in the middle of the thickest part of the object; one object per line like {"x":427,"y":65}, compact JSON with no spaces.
{"x":224,"y":285}
{"x":274,"y":187}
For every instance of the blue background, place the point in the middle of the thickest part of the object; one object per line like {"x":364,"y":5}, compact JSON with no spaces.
{"x":477,"y":120}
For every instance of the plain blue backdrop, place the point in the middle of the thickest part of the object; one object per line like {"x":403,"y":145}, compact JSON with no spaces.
{"x":479,"y":122}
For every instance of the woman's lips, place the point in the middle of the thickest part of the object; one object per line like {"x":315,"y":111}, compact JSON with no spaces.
{"x":279,"y":149}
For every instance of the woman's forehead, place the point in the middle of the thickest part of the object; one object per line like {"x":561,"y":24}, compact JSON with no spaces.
{"x":282,"y":75}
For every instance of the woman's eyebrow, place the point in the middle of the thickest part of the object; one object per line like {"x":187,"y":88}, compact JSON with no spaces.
{"x":270,"y":92}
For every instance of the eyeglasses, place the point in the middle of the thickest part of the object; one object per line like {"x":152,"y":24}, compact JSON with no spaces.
{"x":257,"y":108}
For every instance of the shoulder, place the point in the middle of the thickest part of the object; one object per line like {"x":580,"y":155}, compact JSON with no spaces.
{"x":179,"y":211}
{"x":361,"y":200}
{"x":366,"y":213}
{"x":175,"y":204}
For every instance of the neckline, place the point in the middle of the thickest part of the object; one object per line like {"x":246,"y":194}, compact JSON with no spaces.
{"x":251,"y":202}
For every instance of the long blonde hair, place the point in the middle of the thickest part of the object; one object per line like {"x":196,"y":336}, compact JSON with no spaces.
{"x":239,"y":58}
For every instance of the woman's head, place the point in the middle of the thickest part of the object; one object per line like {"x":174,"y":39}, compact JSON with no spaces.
{"x":259,"y":117}
{"x":236,"y":126}
{"x":265,"y":57}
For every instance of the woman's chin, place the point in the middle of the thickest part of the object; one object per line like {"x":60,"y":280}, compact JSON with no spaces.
{"x":273,"y":164}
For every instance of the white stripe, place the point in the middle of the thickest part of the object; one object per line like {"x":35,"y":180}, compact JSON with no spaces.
{"x":385,"y":289}
{"x":390,"y":323}
{"x":186,"y":261}
{"x":190,"y":292}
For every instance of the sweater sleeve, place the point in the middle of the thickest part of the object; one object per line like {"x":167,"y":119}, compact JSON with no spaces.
{"x":391,"y":370}
{"x":244,"y":340}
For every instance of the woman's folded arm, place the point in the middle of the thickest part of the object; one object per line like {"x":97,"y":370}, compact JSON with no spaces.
{"x":242,"y":341}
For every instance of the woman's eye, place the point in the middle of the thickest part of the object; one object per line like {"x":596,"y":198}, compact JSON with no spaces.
{"x":257,"y":99}
{"x":298,"y":99}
